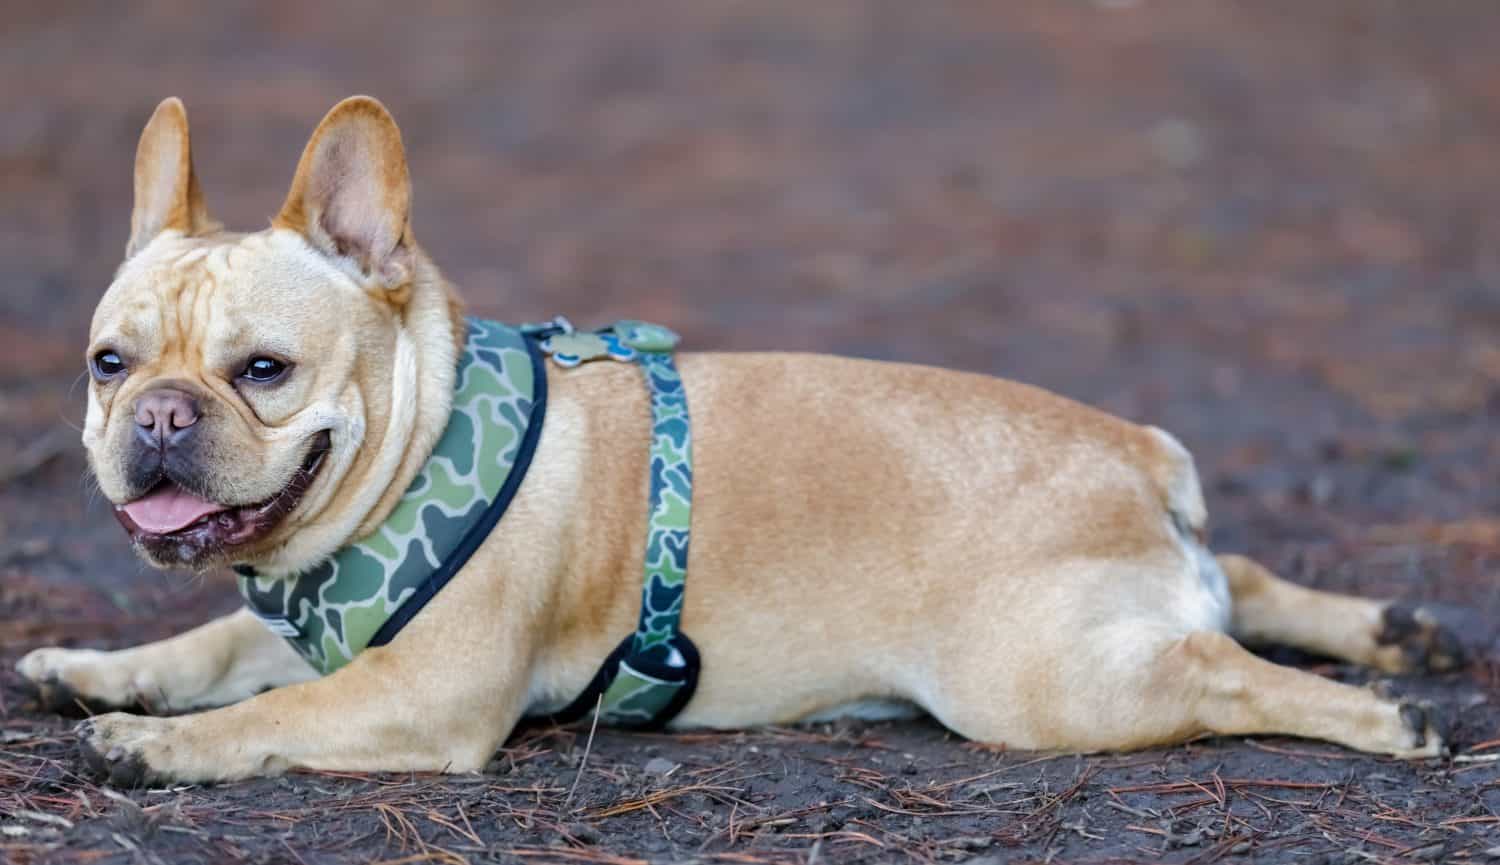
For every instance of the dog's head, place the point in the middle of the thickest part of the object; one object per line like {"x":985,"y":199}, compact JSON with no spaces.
{"x":252,"y":395}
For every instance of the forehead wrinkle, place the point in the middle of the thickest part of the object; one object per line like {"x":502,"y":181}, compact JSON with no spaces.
{"x":166,"y":292}
{"x":180,"y":293}
{"x":141,"y":320}
{"x":135,"y":321}
{"x":214,"y":270}
{"x":180,"y":290}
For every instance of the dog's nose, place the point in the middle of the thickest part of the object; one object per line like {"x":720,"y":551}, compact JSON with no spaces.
{"x":165,"y":416}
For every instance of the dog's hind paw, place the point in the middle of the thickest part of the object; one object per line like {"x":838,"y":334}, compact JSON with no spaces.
{"x":1428,"y":727}
{"x":1412,"y":640}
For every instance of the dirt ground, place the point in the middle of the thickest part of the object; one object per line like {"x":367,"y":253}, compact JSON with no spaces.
{"x":1268,"y":227}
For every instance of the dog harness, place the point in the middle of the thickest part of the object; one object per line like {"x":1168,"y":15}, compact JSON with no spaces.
{"x":367,"y":592}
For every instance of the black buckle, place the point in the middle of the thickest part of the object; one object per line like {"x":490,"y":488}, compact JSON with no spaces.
{"x":655,"y":662}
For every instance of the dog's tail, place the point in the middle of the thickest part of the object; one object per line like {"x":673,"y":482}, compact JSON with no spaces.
{"x":1176,"y":477}
{"x":1182,"y":498}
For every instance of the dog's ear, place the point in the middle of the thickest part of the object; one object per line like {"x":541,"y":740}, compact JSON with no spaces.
{"x":167,"y":196}
{"x":351,"y":197}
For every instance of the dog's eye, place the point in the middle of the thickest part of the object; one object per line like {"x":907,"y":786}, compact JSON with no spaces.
{"x":107,"y":364}
{"x":264,"y":369}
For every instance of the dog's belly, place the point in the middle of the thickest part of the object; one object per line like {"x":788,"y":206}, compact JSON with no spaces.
{"x":868,"y":710}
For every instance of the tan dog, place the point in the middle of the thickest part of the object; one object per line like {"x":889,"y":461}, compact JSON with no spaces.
{"x":868,"y":538}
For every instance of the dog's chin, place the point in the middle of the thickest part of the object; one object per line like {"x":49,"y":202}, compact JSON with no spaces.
{"x":229,"y":533}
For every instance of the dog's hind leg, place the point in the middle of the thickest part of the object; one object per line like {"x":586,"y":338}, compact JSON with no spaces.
{"x":1219,"y":687}
{"x":1392,"y":637}
{"x":1136,"y":684}
{"x":222,"y":662}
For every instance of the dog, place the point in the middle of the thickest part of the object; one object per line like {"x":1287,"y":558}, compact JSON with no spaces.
{"x":869,"y":539}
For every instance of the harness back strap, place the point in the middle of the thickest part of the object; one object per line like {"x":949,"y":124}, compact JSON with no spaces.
{"x":650,"y":676}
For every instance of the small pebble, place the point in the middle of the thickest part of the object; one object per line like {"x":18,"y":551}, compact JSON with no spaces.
{"x":658,"y":766}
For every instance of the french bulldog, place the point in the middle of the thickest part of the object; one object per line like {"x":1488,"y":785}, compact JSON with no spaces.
{"x":869,"y":539}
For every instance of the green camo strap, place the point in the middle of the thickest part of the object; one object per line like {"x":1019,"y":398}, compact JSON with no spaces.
{"x":653,"y":673}
{"x":365,"y":592}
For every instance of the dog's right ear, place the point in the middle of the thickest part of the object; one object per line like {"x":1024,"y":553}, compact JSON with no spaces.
{"x":167,"y":196}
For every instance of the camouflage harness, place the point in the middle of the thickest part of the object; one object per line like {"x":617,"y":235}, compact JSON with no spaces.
{"x":369,"y":590}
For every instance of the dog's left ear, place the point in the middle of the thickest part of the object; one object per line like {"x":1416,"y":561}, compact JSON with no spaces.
{"x":351,"y":197}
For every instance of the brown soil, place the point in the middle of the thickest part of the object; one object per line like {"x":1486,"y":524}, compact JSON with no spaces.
{"x":1269,"y":227}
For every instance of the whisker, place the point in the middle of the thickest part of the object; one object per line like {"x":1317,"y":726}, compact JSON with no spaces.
{"x":69,"y":401}
{"x":90,"y":484}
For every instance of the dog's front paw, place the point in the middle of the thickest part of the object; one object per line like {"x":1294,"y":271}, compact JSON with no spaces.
{"x":1412,"y":640}
{"x":138,"y":751}
{"x":73,"y":681}
{"x":141,"y":751}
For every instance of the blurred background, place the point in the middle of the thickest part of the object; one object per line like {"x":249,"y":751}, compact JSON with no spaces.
{"x":1269,"y":227}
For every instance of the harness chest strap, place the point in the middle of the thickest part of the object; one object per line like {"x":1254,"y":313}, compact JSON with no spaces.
{"x":369,"y":590}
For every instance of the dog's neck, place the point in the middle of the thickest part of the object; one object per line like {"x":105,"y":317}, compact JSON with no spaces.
{"x":420,"y":397}
{"x":429,"y":342}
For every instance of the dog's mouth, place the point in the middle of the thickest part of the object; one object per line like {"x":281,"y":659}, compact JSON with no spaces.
{"x":175,"y":524}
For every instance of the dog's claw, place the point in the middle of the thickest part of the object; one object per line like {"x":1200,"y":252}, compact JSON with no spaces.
{"x":55,"y":695}
{"x":1415,"y":718}
{"x":1428,"y":725}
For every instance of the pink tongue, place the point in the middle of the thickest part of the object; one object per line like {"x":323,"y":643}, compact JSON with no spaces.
{"x":168,"y":509}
